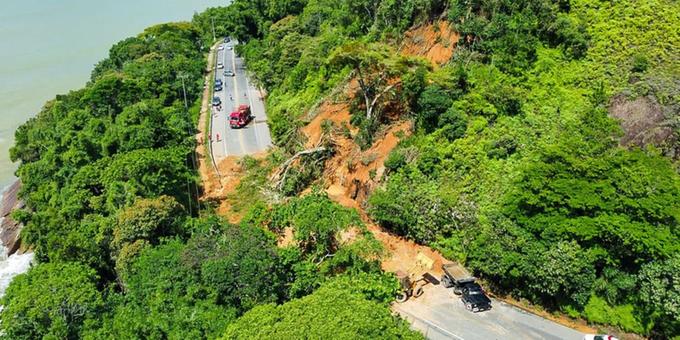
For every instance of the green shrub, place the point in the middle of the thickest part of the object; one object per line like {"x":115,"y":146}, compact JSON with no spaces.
{"x":395,"y":160}
{"x":52,"y":300}
{"x":625,"y":316}
{"x":421,"y":213}
{"x":453,"y":124}
{"x":432,"y":103}
{"x":640,"y":63}
{"x":341,"y":309}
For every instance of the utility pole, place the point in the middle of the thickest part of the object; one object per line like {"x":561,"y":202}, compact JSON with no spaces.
{"x":212,"y":20}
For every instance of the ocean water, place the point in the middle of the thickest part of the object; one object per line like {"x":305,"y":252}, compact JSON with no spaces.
{"x":48,"y":47}
{"x":11,"y":266}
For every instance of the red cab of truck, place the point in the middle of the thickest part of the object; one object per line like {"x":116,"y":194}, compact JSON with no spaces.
{"x":241,"y":117}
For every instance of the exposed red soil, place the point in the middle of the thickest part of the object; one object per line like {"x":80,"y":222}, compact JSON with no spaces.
{"x":352,"y":174}
{"x":288,"y":238}
{"x":218,"y":182}
{"x":408,"y":256}
{"x":338,"y":113}
{"x":435,"y":42}
{"x":231,"y":174}
{"x":209,"y":176}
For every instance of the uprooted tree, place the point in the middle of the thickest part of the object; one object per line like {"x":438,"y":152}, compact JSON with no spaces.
{"x":279,"y":177}
{"x":377,"y":70}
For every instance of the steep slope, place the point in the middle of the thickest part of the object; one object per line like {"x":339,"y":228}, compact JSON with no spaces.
{"x":503,"y":154}
{"x":352,"y":174}
{"x":435,"y":42}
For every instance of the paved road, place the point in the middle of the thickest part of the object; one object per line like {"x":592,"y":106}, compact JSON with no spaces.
{"x":440,"y":314}
{"x":237,"y":90}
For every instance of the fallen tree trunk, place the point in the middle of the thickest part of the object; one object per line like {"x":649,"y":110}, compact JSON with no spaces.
{"x":280,"y":176}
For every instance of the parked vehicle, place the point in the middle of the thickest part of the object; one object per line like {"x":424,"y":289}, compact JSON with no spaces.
{"x":456,"y":276}
{"x":220,"y":48}
{"x":220,"y":65}
{"x":599,"y":337}
{"x":474,"y":298}
{"x":410,"y":287}
{"x":218,"y":82}
{"x":229,"y":73}
{"x":216,"y":101}
{"x":463,"y":283}
{"x":241,"y":117}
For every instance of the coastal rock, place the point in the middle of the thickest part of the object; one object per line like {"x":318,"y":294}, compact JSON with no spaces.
{"x":10,"y":229}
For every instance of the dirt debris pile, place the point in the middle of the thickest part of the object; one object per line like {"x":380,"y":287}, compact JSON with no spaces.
{"x":435,"y":42}
{"x":352,"y":174}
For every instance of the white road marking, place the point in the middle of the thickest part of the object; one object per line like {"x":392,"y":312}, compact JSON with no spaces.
{"x":237,"y":102}
{"x":237,"y":142}
{"x":258,"y":139}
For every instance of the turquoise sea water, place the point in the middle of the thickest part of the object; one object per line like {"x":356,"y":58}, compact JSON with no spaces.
{"x":48,"y":47}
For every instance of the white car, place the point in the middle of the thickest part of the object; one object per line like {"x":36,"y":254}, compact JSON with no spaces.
{"x":599,"y":337}
{"x":220,"y":65}
{"x":230,"y":47}
{"x":220,"y":48}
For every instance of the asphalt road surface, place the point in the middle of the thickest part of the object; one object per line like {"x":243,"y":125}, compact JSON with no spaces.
{"x":237,"y":90}
{"x":439,"y":314}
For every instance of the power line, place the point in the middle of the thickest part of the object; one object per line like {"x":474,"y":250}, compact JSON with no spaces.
{"x":190,"y":129}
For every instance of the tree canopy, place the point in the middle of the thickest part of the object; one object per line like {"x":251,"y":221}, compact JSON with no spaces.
{"x":52,"y":300}
{"x":336,"y":310}
{"x":513,"y":167}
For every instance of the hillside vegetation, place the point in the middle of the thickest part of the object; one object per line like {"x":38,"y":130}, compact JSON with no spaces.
{"x":124,"y":248}
{"x":513,"y":166}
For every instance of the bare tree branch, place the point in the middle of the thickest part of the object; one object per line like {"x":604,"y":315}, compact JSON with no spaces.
{"x":280,"y":176}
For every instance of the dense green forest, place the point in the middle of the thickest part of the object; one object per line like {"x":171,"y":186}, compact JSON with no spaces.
{"x":516,"y":163}
{"x":123,"y":248}
{"x":517,"y":166}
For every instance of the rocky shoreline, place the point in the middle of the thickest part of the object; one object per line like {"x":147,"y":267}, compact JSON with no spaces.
{"x":10,"y":229}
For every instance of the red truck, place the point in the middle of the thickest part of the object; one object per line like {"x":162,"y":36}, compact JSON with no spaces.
{"x":241,"y":117}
